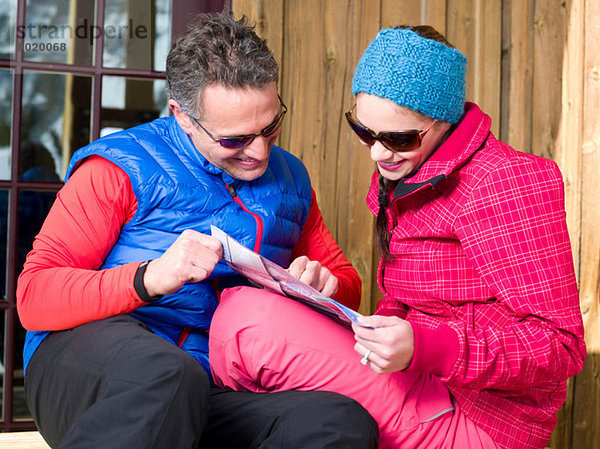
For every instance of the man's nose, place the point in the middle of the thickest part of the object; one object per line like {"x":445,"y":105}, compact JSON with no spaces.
{"x":259,"y":148}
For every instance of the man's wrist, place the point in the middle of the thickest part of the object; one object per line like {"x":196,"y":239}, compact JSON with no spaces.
{"x":138,"y":283}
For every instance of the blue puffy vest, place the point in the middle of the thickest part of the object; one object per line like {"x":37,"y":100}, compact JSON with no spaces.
{"x":178,"y":189}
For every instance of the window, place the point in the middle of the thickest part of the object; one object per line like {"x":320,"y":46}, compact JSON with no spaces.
{"x":70,"y":72}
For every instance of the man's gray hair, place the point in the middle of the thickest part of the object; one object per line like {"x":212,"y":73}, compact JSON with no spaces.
{"x":217,"y":49}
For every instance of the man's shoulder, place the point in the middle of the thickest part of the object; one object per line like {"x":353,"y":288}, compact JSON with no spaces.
{"x":143,"y":134}
{"x":289,"y":172}
{"x":279,"y":155}
{"x":127,"y":148}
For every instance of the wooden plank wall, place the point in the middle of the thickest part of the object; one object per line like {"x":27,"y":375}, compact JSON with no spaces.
{"x":534,"y":67}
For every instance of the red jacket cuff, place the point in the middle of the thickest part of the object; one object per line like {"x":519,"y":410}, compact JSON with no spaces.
{"x":436,"y":350}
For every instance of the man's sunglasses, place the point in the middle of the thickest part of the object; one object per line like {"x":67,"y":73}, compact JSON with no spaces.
{"x":393,"y":140}
{"x":236,"y":142}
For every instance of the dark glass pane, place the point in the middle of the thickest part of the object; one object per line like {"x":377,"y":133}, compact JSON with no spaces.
{"x":20,"y":410}
{"x":137,"y":35}
{"x":8,"y":22}
{"x":3,"y":359}
{"x":33,"y":208}
{"x":127,"y":102}
{"x":61,"y":31}
{"x":6,"y":98}
{"x":3,"y":241}
{"x":55,"y":122}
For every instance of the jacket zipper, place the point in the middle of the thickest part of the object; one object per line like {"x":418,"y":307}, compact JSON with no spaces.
{"x":259,"y":231}
{"x":259,"y":222}
{"x":182,"y":337}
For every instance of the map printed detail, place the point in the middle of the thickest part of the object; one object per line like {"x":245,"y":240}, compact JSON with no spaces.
{"x":275,"y":278}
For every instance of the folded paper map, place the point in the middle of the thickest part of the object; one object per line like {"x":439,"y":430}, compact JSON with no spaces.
{"x":271,"y":276}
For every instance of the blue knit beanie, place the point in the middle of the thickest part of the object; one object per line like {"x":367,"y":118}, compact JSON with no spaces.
{"x":421,"y":74}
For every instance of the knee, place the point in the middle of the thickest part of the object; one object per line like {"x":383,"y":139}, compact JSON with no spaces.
{"x":364,"y":426}
{"x":343,"y":418}
{"x":169,"y":375}
{"x":187,"y":377}
{"x":240,"y":308}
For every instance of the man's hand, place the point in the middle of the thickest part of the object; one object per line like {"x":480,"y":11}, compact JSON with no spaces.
{"x":311,"y":272}
{"x":390,"y":345}
{"x":191,"y":258}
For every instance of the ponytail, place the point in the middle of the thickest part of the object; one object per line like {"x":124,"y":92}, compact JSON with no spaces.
{"x":381,"y":233}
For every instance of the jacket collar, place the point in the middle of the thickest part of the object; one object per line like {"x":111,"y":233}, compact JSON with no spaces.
{"x":468,"y":136}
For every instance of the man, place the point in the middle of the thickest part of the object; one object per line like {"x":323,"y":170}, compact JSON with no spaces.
{"x":120,"y":287}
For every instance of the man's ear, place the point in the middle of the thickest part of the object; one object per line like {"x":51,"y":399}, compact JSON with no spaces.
{"x":184,"y":120}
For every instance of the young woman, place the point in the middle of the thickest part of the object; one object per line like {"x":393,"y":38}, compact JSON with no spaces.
{"x":480,"y":326}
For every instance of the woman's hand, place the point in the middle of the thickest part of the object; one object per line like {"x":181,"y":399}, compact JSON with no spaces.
{"x":311,"y":272}
{"x":391,"y":343}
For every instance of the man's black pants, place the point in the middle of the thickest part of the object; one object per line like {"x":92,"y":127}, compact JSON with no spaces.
{"x":114,"y":384}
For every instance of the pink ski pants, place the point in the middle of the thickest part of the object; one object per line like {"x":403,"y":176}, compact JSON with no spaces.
{"x":263,"y":342}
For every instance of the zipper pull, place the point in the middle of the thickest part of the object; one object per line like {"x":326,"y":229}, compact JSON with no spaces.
{"x":231,"y":190}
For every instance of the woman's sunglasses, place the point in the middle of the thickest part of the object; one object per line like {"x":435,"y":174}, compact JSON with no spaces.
{"x":235,"y":142}
{"x":393,"y":140}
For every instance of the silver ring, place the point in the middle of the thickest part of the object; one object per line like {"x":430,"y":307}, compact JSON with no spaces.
{"x":365,"y":358}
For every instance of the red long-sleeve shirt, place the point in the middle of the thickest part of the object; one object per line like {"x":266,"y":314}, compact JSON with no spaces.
{"x":61,"y":285}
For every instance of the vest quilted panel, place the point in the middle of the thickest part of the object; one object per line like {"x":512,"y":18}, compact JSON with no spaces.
{"x":178,"y":189}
